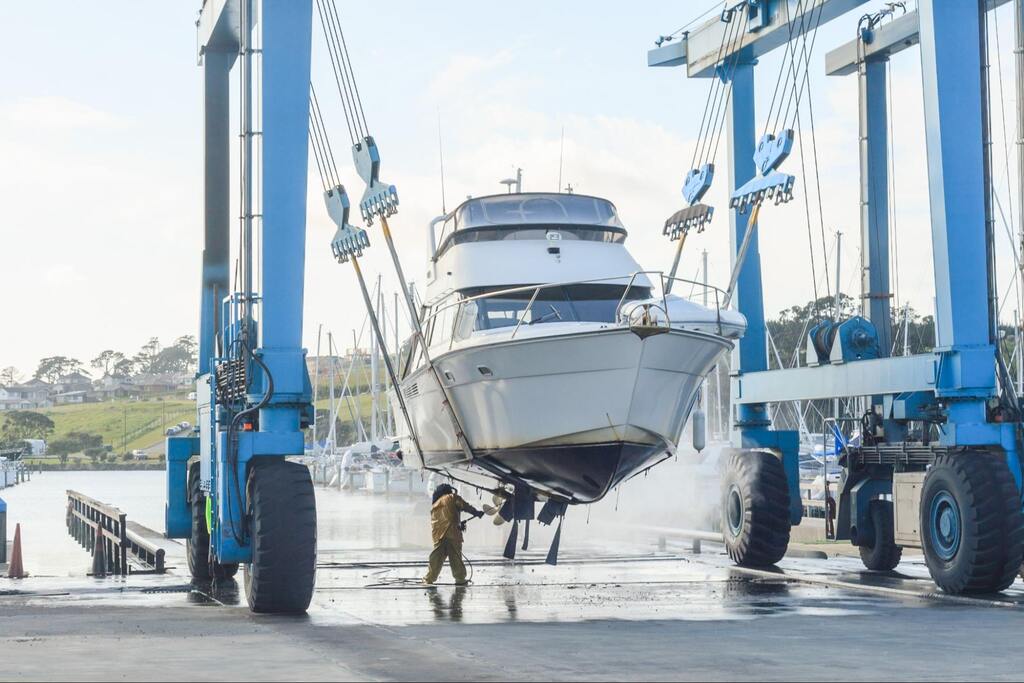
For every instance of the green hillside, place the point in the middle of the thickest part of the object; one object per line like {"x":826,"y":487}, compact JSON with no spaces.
{"x":143,"y":422}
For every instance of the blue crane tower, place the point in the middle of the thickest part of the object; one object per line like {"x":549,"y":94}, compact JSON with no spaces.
{"x":230,"y":490}
{"x":937,"y":463}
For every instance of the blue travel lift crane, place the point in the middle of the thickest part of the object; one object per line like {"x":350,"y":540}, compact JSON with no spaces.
{"x":957,"y":497}
{"x":230,"y":491}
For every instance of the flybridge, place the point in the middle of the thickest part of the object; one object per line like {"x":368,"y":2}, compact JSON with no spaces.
{"x":532,"y":216}
{"x":533,"y":208}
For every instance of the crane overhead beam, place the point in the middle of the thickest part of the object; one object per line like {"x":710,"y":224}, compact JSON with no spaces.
{"x":771,"y":24}
{"x":219,"y":25}
{"x":888,"y":40}
{"x":861,"y":378}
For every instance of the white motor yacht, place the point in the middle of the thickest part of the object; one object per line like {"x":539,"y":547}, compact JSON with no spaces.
{"x":568,"y":367}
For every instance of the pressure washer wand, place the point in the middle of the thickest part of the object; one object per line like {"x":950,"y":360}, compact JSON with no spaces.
{"x":464,"y":522}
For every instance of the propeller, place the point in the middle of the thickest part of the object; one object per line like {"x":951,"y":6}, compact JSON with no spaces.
{"x":502,"y":509}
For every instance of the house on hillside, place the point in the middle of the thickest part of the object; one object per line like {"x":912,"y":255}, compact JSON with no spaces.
{"x":109,"y":388}
{"x":11,"y":399}
{"x":30,"y":395}
{"x":71,"y":397}
{"x":161,"y":383}
{"x":74,"y":382}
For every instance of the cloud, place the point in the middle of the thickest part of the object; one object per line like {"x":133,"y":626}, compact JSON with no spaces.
{"x":101,"y":227}
{"x":60,"y":275}
{"x":56,"y":114}
{"x":464,"y":70}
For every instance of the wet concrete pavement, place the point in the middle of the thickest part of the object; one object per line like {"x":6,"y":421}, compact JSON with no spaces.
{"x":617,"y":608}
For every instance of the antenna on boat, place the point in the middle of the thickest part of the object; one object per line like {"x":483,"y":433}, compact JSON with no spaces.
{"x":516,"y":182}
{"x":440,"y":154}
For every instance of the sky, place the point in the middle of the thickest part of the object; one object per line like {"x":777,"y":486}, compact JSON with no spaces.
{"x":101,"y":176}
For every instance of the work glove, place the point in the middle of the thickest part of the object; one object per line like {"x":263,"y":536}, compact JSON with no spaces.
{"x":478,"y":514}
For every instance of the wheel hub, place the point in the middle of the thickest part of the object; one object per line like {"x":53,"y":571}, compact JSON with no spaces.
{"x":944,"y":518}
{"x":734,"y":510}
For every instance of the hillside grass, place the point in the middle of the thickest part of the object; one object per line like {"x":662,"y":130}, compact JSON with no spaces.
{"x":144,"y":421}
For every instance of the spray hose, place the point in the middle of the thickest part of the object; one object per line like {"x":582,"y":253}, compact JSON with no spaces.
{"x":405,"y":582}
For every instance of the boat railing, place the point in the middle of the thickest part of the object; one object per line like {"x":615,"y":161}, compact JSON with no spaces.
{"x":650,"y":313}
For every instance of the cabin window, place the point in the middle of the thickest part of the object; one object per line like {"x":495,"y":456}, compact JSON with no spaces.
{"x":607,"y":235}
{"x":466,"y":319}
{"x":442,"y":321}
{"x":569,"y":303}
{"x":405,"y":357}
{"x":597,"y":302}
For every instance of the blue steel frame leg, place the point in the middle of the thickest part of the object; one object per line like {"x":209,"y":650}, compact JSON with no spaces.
{"x":872,"y":85}
{"x":287,"y":36}
{"x":874,"y":158}
{"x":951,"y":71}
{"x":216,"y":196}
{"x":287,"y":27}
{"x":215,"y":284}
{"x":752,"y":427}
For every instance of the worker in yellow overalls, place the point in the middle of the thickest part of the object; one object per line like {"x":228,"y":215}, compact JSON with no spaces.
{"x":446,"y":530}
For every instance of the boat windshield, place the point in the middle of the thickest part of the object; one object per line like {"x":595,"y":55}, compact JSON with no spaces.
{"x":588,"y":302}
{"x":532,"y":216}
{"x":545,"y":209}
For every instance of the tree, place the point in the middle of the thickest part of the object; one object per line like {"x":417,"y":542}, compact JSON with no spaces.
{"x":96,"y":453}
{"x":9,"y":376}
{"x":187,"y":344}
{"x":53,"y":368}
{"x":171,"y":359}
{"x":123,"y":368}
{"x":146,"y":357}
{"x":107,"y":360}
{"x":77,"y":442}
{"x":25,"y":424}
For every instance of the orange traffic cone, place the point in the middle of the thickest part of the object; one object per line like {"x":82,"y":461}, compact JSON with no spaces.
{"x":16,"y":568}
{"x":99,"y":554}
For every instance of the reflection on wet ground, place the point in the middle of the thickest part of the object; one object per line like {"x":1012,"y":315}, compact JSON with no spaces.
{"x":635,"y":587}
{"x":220,"y":592}
{"x":374,"y":549}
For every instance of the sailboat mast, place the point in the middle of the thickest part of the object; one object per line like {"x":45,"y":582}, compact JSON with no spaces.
{"x":374,"y":369}
{"x":332,"y":435}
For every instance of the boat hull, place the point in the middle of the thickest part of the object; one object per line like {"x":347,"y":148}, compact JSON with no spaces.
{"x":568,"y":415}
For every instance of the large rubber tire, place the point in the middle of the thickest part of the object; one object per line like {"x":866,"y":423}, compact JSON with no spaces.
{"x":282,"y":513}
{"x":885,"y":554}
{"x":225,"y":571}
{"x":197,"y":546}
{"x":755,"y":508}
{"x":972,"y":529}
